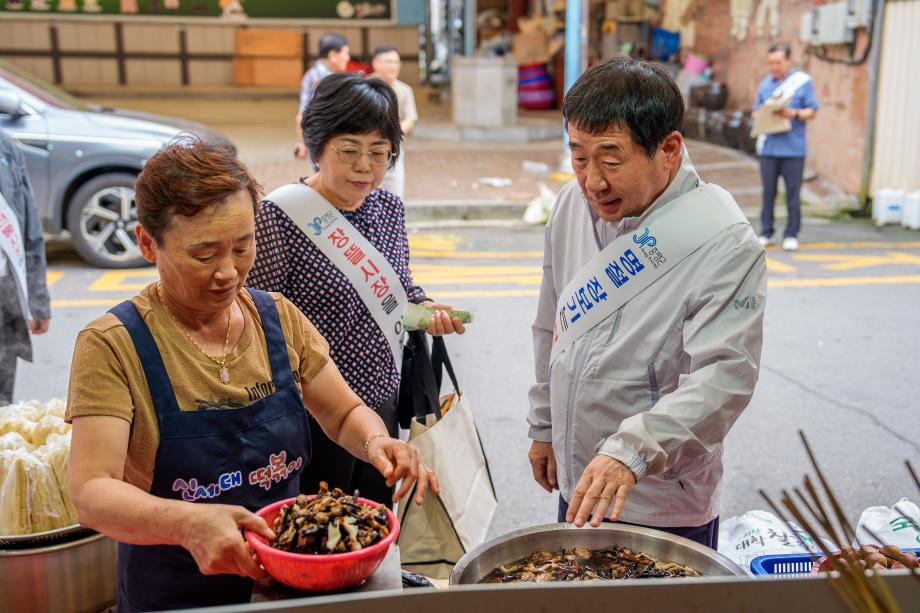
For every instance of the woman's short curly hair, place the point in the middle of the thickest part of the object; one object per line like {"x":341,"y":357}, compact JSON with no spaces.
{"x":185,"y":177}
{"x":347,"y":103}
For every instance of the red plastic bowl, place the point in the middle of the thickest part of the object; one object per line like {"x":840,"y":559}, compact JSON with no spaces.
{"x":320,"y":573}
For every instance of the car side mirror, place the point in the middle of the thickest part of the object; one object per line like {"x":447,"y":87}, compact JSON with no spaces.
{"x":11,"y":104}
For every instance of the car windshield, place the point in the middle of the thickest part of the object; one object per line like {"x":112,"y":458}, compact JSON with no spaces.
{"x":41,"y":89}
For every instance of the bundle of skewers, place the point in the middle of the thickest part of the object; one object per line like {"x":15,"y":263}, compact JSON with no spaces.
{"x":858,"y":579}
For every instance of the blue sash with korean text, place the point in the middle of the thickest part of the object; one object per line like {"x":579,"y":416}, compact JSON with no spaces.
{"x":368,"y":271}
{"x":633,"y":262}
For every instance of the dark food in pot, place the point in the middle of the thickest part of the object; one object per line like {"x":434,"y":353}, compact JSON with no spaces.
{"x":332,"y":522}
{"x":580,"y":564}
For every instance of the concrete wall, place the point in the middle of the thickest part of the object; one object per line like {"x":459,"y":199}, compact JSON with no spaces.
{"x":836,"y":137}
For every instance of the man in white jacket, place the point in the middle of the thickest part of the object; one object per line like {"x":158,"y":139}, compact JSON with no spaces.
{"x":650,"y":321}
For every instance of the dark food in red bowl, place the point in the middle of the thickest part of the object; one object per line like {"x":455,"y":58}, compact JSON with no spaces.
{"x":331,"y":522}
{"x":328,"y":570}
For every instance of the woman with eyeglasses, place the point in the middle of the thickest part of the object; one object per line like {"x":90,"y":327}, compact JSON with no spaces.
{"x":335,"y":245}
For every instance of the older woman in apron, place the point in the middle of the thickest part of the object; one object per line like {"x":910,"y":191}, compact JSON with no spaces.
{"x":335,"y":245}
{"x":183,"y":396}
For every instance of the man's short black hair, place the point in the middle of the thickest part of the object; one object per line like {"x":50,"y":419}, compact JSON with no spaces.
{"x":381,"y":49}
{"x":331,"y":42}
{"x":347,"y":103}
{"x":784,"y":47}
{"x":629,"y":93}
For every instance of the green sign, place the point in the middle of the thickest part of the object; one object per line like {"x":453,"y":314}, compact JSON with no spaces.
{"x":346,"y":10}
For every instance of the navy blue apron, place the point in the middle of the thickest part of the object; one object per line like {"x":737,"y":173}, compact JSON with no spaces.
{"x":250,"y":456}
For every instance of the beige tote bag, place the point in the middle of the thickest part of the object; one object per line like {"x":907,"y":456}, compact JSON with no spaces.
{"x":435,"y":535}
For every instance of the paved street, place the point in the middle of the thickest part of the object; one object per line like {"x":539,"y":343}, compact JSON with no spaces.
{"x":839,"y":357}
{"x":440,"y":173}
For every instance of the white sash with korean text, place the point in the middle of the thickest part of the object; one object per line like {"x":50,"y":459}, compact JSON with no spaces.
{"x":782,"y":95}
{"x":791,"y":84}
{"x":633,"y":262}
{"x":369,"y":272}
{"x":15,"y":253}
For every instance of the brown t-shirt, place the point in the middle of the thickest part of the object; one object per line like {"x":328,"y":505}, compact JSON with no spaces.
{"x":106,"y":377}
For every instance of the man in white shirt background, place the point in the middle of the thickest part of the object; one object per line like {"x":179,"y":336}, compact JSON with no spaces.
{"x":386,"y":64}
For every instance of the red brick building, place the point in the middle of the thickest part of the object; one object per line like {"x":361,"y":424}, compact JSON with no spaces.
{"x":867,"y":133}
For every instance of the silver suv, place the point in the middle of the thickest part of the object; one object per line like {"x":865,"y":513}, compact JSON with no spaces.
{"x":83,"y":160}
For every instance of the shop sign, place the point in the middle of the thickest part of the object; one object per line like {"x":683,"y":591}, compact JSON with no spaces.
{"x":352,"y":10}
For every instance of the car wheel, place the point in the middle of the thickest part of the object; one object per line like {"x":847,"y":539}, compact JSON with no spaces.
{"x":102,"y":217}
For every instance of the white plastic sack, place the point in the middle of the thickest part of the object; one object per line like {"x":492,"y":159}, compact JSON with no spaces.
{"x":759,"y":533}
{"x":897,"y":525}
{"x":538,"y":210}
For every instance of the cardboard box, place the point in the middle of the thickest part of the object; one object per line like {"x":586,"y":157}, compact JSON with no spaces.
{"x":632,"y":8}
{"x":531,"y":25}
{"x":267,"y":72}
{"x":629,"y":9}
{"x":532,"y":48}
{"x":272,"y":58}
{"x":257,"y":42}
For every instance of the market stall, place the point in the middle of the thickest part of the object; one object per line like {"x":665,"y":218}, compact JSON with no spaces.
{"x":48,"y":562}
{"x":786,"y":595}
{"x":81,"y":577}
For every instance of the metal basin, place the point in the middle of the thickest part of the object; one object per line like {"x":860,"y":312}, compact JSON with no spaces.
{"x":76,"y":576}
{"x":482,"y":560}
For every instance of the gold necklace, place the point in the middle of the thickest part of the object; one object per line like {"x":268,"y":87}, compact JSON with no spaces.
{"x":223,"y":372}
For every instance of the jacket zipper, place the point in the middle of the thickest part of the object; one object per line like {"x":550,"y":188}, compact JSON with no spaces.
{"x":580,"y":359}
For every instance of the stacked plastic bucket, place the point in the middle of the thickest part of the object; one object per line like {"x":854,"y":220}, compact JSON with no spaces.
{"x":535,"y":89}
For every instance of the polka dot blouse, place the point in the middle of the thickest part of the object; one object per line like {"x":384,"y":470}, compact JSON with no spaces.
{"x":287,"y":261}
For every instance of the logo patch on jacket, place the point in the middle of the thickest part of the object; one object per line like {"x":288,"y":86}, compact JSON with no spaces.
{"x":749,"y":302}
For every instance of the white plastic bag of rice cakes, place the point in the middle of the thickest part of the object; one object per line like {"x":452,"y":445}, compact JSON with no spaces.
{"x":12,"y":441}
{"x":55,"y":453}
{"x":759,"y":533}
{"x":30,"y":497}
{"x":897,"y":525}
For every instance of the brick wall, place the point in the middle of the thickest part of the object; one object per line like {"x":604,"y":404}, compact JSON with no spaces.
{"x":836,"y":136}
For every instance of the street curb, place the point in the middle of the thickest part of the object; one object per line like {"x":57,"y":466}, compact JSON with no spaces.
{"x":183,"y":94}
{"x":523,"y":132}
{"x":498,"y":210}
{"x":463,"y":210}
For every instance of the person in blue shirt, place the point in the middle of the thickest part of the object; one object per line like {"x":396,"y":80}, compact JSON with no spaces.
{"x":334,"y":56}
{"x":783,"y":154}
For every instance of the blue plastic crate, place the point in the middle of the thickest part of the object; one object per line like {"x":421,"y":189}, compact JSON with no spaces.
{"x":789,"y":564}
{"x":782,"y":564}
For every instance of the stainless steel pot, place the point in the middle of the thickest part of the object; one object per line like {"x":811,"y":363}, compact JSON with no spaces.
{"x":482,"y":560}
{"x":77,"y":576}
{"x":37,"y":539}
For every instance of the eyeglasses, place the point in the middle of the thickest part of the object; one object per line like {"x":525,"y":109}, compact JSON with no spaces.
{"x":350,"y":154}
